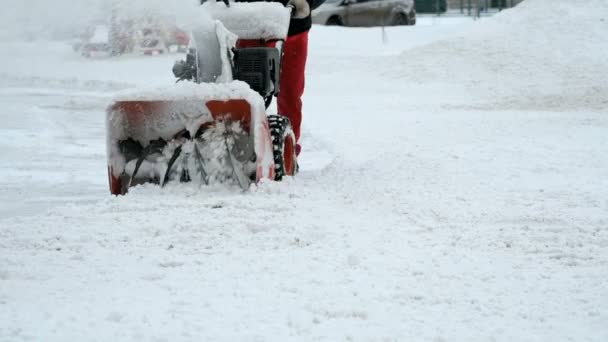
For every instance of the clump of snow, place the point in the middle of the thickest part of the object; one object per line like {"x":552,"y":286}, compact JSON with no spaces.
{"x":256,"y":20}
{"x":191,"y":91}
{"x":527,"y":56}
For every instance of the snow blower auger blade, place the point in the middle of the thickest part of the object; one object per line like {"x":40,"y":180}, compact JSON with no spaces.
{"x":209,"y":142}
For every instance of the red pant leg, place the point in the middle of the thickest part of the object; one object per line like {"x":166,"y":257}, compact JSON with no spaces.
{"x":289,"y":101}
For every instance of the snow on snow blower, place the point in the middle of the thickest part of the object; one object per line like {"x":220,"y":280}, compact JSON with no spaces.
{"x":213,"y":129}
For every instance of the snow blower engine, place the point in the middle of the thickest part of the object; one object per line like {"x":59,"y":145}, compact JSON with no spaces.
{"x":213,"y":129}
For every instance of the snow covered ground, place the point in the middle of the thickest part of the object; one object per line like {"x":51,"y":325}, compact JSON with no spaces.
{"x":452,"y":188}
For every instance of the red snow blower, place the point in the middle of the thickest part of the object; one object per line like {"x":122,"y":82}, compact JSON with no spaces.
{"x":213,"y":129}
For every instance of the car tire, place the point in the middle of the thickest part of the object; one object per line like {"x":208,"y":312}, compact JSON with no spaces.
{"x":412,"y":18}
{"x":334,"y":21}
{"x":400,"y":19}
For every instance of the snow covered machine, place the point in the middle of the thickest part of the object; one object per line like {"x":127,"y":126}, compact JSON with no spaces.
{"x":212,"y":128}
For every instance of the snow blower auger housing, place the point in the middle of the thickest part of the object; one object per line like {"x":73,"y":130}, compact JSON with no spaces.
{"x":214,"y":129}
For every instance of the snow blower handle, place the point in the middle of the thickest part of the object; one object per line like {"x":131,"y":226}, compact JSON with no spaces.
{"x":299,"y":9}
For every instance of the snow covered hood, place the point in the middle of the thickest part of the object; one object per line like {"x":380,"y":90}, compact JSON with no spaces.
{"x":189,"y":91}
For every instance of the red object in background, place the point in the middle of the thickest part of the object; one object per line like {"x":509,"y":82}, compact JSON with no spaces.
{"x":181,"y":37}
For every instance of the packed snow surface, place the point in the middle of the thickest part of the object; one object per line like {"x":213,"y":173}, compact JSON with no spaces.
{"x":452,"y":187}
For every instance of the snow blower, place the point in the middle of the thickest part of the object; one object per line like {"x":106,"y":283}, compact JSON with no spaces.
{"x":213,"y":128}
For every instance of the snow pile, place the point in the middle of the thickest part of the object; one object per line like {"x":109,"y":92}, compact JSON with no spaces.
{"x":533,"y":55}
{"x":257,"y":20}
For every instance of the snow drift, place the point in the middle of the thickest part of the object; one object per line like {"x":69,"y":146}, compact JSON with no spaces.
{"x":534,"y":55}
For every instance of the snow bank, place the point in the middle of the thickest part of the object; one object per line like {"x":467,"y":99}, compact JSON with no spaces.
{"x":527,"y":56}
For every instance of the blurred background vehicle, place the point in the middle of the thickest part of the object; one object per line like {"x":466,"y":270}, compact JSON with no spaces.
{"x":365,"y":13}
{"x":123,"y":35}
{"x":150,"y":40}
{"x":95,"y":43}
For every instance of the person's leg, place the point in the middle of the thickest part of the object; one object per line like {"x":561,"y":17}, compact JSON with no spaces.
{"x":289,"y":101}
